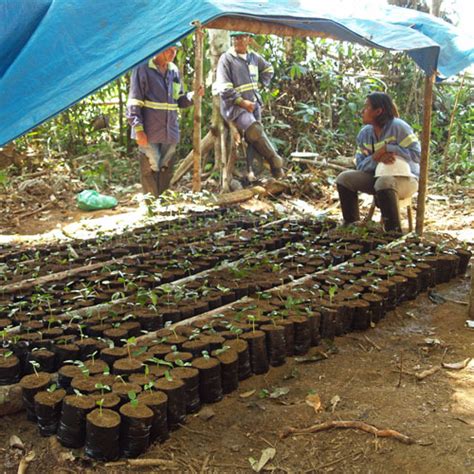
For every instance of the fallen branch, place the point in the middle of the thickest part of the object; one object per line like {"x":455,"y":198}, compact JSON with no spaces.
{"x":35,"y":211}
{"x":25,"y":462}
{"x":427,"y":373}
{"x":271,"y":188}
{"x":420,"y":375}
{"x":373,"y":343}
{"x":357,"y":425}
{"x":144,"y":463}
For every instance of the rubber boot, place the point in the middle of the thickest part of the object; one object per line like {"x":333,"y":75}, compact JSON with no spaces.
{"x":257,"y":137}
{"x":349,"y":204}
{"x":388,"y":204}
{"x":148,"y":177}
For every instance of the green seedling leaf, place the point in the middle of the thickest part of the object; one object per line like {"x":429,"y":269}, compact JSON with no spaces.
{"x":52,"y":388}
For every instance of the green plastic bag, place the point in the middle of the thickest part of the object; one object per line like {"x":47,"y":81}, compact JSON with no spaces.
{"x":90,"y":200}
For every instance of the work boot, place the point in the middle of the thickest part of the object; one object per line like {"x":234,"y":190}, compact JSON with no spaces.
{"x":257,"y":137}
{"x":388,"y":203}
{"x":349,"y":204}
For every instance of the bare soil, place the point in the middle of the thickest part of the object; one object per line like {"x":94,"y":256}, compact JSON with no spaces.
{"x":359,"y":381}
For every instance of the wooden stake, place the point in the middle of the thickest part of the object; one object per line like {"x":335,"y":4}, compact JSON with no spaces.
{"x":425,"y":153}
{"x":198,"y":60}
{"x":471,"y":295}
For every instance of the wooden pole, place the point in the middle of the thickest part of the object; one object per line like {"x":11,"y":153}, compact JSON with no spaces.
{"x":425,"y":153}
{"x":198,"y":66}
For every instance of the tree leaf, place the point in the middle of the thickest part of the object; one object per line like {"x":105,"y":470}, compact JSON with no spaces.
{"x":313,"y":400}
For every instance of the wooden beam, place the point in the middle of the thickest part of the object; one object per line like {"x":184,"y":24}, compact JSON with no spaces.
{"x":260,"y":27}
{"x":425,"y":153}
{"x":198,"y":66}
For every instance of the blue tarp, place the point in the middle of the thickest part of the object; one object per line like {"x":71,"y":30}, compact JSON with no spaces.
{"x":55,"y":52}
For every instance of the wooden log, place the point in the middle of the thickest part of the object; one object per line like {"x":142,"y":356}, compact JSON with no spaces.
{"x":272,"y":188}
{"x":198,"y":60}
{"x":262,"y":28}
{"x":207,"y":144}
{"x":425,"y":154}
{"x":32,"y":282}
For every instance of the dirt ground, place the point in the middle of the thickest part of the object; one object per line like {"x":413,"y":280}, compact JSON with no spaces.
{"x":360,"y":380}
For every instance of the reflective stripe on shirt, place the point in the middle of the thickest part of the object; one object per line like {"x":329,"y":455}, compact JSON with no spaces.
{"x":160,"y":105}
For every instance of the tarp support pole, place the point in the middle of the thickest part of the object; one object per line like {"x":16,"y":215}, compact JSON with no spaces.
{"x":198,"y":74}
{"x":425,"y":153}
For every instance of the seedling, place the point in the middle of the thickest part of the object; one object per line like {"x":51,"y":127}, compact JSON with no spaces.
{"x":119,"y":377}
{"x":132,"y":396}
{"x":252,"y":319}
{"x":77,"y":393}
{"x":92,"y":356}
{"x":172,"y":329}
{"x":6,"y":355}
{"x":205,"y":354}
{"x":168,"y":376}
{"x":158,"y":361}
{"x":52,"y":388}
{"x":332,"y":291}
{"x":103,"y":388}
{"x":35,"y":366}
{"x":221,"y":351}
{"x":180,"y":363}
{"x":131,"y":341}
{"x":100,"y":404}
{"x":149,"y":386}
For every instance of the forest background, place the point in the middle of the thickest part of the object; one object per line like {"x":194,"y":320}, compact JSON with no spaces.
{"x":313,"y":104}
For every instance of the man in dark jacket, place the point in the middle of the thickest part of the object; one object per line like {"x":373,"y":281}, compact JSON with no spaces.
{"x":156,"y":93}
{"x":238,"y":73}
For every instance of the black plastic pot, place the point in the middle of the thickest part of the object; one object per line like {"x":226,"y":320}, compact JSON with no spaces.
{"x":242,"y":349}
{"x":103,"y":435}
{"x":275,"y":341}
{"x":31,"y":385}
{"x":302,"y":330}
{"x":72,"y":423}
{"x":48,"y":410}
{"x":229,"y":369}
{"x":158,"y":402}
{"x":361,"y":316}
{"x":258,"y":351}
{"x":135,"y":429}
{"x":9,"y":370}
{"x":210,"y":382}
{"x":190,"y":377}
{"x":176,"y":392}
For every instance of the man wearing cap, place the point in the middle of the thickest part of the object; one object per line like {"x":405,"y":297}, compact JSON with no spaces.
{"x":238,"y":73}
{"x":156,"y":93}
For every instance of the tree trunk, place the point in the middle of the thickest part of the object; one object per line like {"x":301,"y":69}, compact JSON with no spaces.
{"x":198,"y":61}
{"x":218,"y":43}
{"x":435,"y":8}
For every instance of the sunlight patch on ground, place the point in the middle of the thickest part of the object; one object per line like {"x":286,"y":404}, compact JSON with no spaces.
{"x":463,"y":397}
{"x":88,"y":226}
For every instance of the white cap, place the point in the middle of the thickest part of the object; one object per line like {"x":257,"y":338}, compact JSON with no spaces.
{"x":399,"y":167}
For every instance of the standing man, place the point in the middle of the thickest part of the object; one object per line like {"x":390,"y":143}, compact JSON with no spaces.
{"x":156,"y":93}
{"x":238,"y":73}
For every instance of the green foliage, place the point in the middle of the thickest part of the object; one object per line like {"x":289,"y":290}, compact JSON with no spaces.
{"x":313,"y":104}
